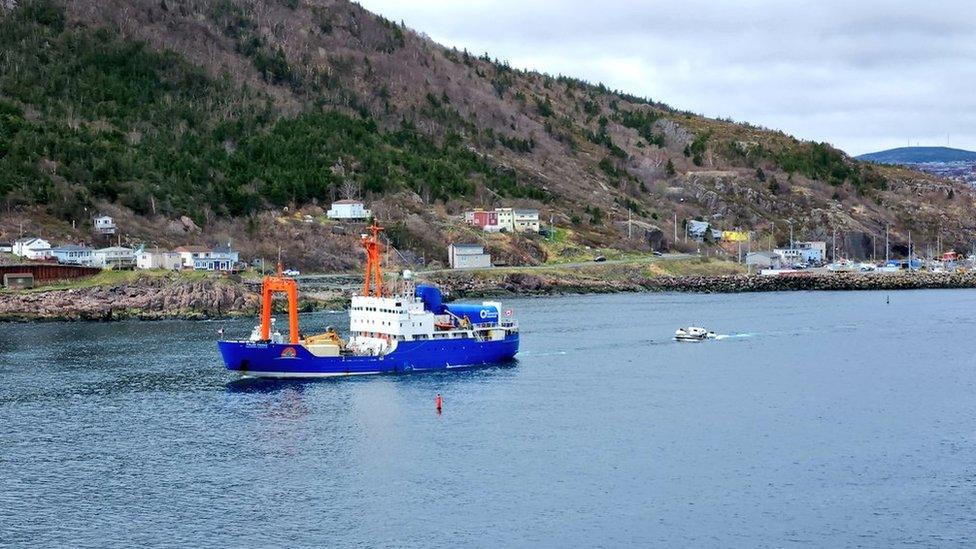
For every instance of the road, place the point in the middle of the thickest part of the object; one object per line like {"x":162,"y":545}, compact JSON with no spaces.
{"x":351,"y":281}
{"x":577,"y":264}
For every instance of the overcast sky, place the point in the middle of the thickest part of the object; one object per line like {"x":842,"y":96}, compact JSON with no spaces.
{"x":863,"y":75}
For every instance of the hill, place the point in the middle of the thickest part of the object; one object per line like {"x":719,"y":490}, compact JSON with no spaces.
{"x":239,"y":119}
{"x":919,"y":155}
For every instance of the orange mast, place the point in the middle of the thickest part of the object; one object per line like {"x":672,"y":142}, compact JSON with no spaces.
{"x":374,"y":275}
{"x":269,"y":286}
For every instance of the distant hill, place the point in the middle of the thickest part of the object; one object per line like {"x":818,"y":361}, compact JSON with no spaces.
{"x":918,"y":155}
{"x":203,"y":122}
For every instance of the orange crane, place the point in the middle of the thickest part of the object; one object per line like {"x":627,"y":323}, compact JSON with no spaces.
{"x":374,"y":275}
{"x":279,"y":283}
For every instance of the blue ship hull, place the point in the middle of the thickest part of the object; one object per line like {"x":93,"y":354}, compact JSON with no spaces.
{"x":285,"y":360}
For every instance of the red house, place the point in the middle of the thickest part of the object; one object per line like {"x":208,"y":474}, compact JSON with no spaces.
{"x":483,"y":219}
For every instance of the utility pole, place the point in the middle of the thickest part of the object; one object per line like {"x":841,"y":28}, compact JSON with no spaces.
{"x":834,"y":247}
{"x":910,"y":268}
{"x":887,"y":249}
{"x":676,"y":226}
{"x":630,"y":216}
{"x":791,"y":233}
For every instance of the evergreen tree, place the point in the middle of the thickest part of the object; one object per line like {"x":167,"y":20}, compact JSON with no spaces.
{"x":669,"y":169}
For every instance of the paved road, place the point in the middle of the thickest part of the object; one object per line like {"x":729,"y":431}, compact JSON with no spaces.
{"x":346,"y":281}
{"x":576,"y":264}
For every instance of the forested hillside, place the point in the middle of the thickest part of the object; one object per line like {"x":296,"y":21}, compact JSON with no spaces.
{"x":227,"y":111}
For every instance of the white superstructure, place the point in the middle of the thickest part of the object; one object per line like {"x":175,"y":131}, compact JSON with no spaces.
{"x":378,"y":324}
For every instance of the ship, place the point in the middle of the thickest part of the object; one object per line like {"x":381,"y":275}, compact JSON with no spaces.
{"x":408,"y":328}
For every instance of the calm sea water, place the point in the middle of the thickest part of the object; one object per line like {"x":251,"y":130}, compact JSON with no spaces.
{"x":822,"y":420}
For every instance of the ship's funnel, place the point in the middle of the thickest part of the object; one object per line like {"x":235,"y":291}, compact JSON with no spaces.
{"x":431,"y":296}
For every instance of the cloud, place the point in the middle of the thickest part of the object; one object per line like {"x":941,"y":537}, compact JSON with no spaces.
{"x":862,"y":75}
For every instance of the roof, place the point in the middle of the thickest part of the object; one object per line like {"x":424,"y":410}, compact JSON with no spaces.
{"x":72,"y":248}
{"x":27,"y":240}
{"x":158,"y":252}
{"x":769,"y":255}
{"x":103,"y":217}
{"x":224,"y":249}
{"x":467,"y":245}
{"x":192,"y":249}
{"x":347,"y":201}
{"x":115,"y":249}
{"x":527,"y":212}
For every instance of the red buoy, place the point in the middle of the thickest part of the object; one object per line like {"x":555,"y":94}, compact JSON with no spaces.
{"x":439,"y":402}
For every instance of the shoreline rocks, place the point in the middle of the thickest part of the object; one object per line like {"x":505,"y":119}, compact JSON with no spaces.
{"x":520,"y":284}
{"x":163,"y":298}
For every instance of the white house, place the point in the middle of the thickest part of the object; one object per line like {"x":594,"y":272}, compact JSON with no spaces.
{"x":115,"y":257}
{"x":348,"y":209}
{"x":32,"y":248}
{"x":697,"y":229}
{"x":506,"y":219}
{"x":806,"y":252}
{"x":467,"y":256}
{"x":72,"y":254}
{"x":764,"y":260}
{"x":159,"y":259}
{"x":526,"y":220}
{"x":221,"y":258}
{"x":189,"y":254}
{"x":104,"y":224}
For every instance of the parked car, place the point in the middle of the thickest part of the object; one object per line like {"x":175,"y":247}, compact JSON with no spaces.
{"x":599,"y":259}
{"x":656,"y":253}
{"x":290,"y":272}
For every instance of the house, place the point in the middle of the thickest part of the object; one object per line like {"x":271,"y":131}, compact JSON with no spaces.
{"x":697,"y":229}
{"x":221,"y":258}
{"x":485,"y":220}
{"x":189,"y":254}
{"x":526,"y":220}
{"x":348,"y":209}
{"x":467,"y":256}
{"x":764,"y":260}
{"x":200,"y":258}
{"x":506,"y":219}
{"x":819,"y":245}
{"x":32,"y":248}
{"x":734,"y":236}
{"x":115,"y":257}
{"x":104,"y":224}
{"x":159,"y":259}
{"x":801,"y":252}
{"x":72,"y":254}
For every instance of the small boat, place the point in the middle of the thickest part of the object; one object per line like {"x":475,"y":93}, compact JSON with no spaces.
{"x":693,"y":333}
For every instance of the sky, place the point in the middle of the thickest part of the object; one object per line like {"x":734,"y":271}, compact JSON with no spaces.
{"x":862,"y":75}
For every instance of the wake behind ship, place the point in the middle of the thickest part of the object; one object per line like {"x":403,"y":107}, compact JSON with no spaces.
{"x":408,"y":331}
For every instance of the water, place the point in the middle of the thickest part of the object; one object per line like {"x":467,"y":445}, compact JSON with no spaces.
{"x":823,"y":420}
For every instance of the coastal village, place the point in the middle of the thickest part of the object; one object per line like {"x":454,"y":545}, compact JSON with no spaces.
{"x":796,"y":258}
{"x":29,"y":252}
